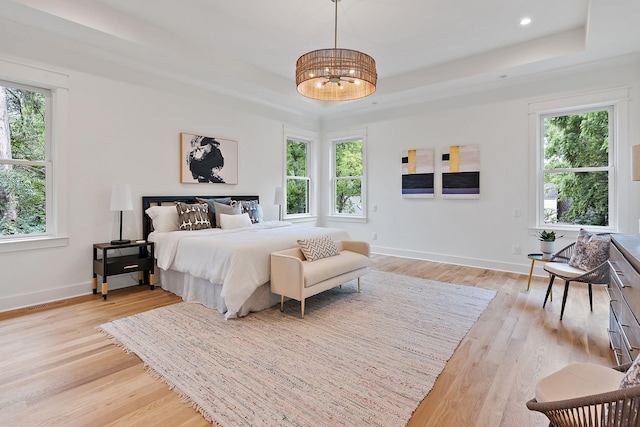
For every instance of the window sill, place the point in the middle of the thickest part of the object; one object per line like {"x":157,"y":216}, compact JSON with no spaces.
{"x":344,"y":218}
{"x":300,"y":218}
{"x":30,"y":243}
{"x":570,"y":232}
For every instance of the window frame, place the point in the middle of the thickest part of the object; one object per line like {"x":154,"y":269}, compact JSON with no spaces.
{"x":306,"y":178}
{"x":339,"y":138}
{"x":308,"y":138}
{"x":55,"y":87}
{"x":612,"y":100}
{"x":47,"y":163}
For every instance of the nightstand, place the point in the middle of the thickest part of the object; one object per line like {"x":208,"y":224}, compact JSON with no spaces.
{"x":110,"y":264}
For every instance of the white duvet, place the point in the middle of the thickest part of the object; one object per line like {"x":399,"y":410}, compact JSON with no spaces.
{"x":238,"y":259}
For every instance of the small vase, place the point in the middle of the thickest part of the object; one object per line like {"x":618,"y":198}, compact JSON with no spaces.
{"x":547,"y":249}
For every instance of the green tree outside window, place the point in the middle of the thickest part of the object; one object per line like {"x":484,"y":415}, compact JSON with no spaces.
{"x":576,"y":162}
{"x":348,"y":179}
{"x":22,"y":162}
{"x":298,"y":180}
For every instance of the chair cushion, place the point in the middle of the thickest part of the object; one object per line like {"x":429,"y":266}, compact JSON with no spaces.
{"x":632,"y":376}
{"x":327,"y":268}
{"x":578,"y":380}
{"x":590,"y":251}
{"x":563,"y":269}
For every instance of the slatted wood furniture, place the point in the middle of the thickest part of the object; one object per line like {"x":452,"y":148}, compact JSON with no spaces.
{"x":148,"y":201}
{"x":588,"y":397}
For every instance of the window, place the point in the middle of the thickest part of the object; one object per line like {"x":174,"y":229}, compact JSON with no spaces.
{"x":25,"y":164}
{"x":348,"y":178}
{"x":576,"y":141}
{"x":298,"y":177}
{"x":577,"y":167}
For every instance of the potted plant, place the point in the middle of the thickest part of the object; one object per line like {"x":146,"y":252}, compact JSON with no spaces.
{"x":547,"y":242}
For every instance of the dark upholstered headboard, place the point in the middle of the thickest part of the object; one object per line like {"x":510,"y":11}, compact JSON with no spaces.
{"x":148,"y":201}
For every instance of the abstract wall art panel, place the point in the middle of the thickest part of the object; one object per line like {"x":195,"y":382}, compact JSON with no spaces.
{"x":417,"y":173}
{"x":461,"y":172}
{"x":207,"y":159}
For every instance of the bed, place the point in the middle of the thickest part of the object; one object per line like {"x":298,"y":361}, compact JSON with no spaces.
{"x":228,"y":269}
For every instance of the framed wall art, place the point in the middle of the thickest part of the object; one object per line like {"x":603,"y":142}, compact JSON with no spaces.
{"x":461,"y":172}
{"x":417,"y":173}
{"x":207,"y":159}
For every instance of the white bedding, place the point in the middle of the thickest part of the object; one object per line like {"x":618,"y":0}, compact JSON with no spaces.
{"x":238,"y":259}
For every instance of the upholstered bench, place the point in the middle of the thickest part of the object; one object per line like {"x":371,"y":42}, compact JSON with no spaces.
{"x":294,"y":276}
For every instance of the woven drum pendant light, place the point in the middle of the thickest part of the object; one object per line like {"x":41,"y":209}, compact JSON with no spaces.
{"x":336,"y":74}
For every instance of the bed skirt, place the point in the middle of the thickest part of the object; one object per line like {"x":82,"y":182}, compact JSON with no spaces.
{"x":201,"y":291}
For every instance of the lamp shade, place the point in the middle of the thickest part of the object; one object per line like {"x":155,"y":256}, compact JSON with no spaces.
{"x":279,"y":197}
{"x":336,"y":74}
{"x":121,"y":198}
{"x":635,"y":165}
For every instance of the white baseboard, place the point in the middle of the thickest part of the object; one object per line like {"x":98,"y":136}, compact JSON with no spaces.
{"x":16,"y":302}
{"x":520,"y":268}
{"x":56,"y":294}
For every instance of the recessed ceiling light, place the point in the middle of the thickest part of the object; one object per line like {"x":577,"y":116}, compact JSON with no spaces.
{"x":525,"y":21}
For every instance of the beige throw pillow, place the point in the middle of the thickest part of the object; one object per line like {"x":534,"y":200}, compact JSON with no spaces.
{"x":590,"y":250}
{"x":318,"y":247}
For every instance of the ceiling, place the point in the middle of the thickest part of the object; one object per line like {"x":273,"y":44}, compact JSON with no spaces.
{"x":248,"y":48}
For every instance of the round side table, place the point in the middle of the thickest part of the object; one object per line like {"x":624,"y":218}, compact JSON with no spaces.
{"x":541,"y":258}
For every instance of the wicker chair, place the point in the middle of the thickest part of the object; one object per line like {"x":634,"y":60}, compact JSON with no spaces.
{"x":559,"y":267}
{"x":616,"y":408}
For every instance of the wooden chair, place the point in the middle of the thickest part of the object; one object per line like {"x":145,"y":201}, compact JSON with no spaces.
{"x":559,"y":267}
{"x":611,"y":407}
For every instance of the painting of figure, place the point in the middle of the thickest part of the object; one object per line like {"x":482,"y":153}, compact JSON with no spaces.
{"x":206,"y":159}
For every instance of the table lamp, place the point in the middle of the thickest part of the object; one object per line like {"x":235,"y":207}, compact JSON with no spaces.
{"x":279,"y":200}
{"x":121,"y":201}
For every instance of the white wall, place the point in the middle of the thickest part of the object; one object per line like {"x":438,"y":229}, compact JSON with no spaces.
{"x":479,"y":232}
{"x":126,"y":131}
{"x":120,"y":132}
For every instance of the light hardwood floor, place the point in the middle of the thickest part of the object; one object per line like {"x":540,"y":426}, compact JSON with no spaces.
{"x":57,"y":369}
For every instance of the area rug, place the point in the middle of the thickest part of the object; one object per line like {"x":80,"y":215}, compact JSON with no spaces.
{"x":356,"y":359}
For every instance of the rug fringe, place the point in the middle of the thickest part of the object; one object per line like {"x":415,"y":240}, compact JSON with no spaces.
{"x":115,"y":341}
{"x":155,"y":374}
{"x":183,"y":397}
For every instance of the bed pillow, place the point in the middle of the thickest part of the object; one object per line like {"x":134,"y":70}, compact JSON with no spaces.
{"x":590,"y":250}
{"x":193,"y":216}
{"x":212,"y":207}
{"x":228,"y":222}
{"x":232,"y":209}
{"x":318,"y":247}
{"x":253,"y":208}
{"x":163,"y":218}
